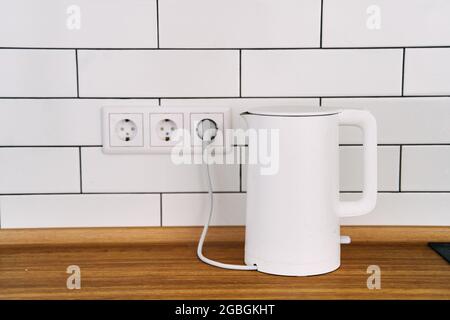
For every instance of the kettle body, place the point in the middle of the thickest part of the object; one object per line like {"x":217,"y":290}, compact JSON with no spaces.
{"x":293,"y":210}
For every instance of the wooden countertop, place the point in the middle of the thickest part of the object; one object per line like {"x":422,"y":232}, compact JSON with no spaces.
{"x":161,"y":263}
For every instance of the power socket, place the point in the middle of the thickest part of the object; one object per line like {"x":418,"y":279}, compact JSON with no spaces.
{"x":216,"y":117}
{"x":149,"y":129}
{"x":166,"y":129}
{"x":126,"y":129}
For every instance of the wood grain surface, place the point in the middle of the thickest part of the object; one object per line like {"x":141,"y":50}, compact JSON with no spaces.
{"x":161,"y":263}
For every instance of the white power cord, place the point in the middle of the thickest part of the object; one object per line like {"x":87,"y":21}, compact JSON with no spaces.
{"x":207,"y":138}
{"x":200,"y":255}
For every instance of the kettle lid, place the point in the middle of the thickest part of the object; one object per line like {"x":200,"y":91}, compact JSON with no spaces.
{"x":292,"y":111}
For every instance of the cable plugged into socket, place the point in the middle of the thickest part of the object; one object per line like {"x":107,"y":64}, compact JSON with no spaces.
{"x":207,"y":126}
{"x":207,"y":130}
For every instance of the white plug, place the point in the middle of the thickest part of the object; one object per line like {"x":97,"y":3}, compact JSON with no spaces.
{"x":207,"y":130}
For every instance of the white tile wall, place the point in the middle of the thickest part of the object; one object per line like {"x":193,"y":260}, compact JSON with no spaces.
{"x":426,"y":168}
{"x":193,"y":209}
{"x":400,"y":120}
{"x":351,"y":168}
{"x":404,"y":209}
{"x":240,"y":54}
{"x":152,"y":173}
{"x":39,"y":170}
{"x":240,"y":105}
{"x":321,"y":72}
{"x":239,"y":24}
{"x":55,"y":122}
{"x":161,"y":73}
{"x":427,"y":71}
{"x":401,"y":209}
{"x":52,"y":23}
{"x":402,"y":23}
{"x":60,"y":211}
{"x":37,"y":73}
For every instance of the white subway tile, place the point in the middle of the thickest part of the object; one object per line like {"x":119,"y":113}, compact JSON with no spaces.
{"x":53,"y":122}
{"x":81,"y":23}
{"x":193,"y":209}
{"x":427,"y":71}
{"x":354,"y":23}
{"x":321,"y":72}
{"x":428,"y":209}
{"x":240,"y":105}
{"x":39,"y":170}
{"x":239,"y":24}
{"x":152,"y":173}
{"x":351,"y":168}
{"x":404,"y":209}
{"x":37,"y":73}
{"x":70,"y":211}
{"x":400,"y":120}
{"x":158,"y":73}
{"x":426,"y":168}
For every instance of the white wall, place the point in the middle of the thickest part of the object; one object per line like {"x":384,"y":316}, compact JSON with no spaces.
{"x":238,"y":53}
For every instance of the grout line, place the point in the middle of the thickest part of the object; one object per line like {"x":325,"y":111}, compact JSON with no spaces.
{"x":417,"y":191}
{"x":342,"y":145}
{"x":321,"y":23}
{"x":400,"y":169}
{"x":395,"y":144}
{"x":398,"y":192}
{"x":40,"y":194}
{"x":225,"y":48}
{"x":160,"y":210}
{"x":240,"y":177}
{"x":157,"y":24}
{"x":81,"y":170}
{"x":379,"y":144}
{"x":199,"y":192}
{"x":241,"y":154}
{"x":114,"y":193}
{"x":76,"y":66}
{"x":52,"y":146}
{"x":320,"y":101}
{"x":403,"y":72}
{"x":334,"y":97}
{"x":240,"y":73}
{"x":236,"y":97}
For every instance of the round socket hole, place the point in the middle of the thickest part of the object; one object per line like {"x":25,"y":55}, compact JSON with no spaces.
{"x":166,"y":129}
{"x":126,"y":129}
{"x":208,"y":126}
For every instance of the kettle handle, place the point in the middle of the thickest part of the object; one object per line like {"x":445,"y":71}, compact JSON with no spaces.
{"x":366,"y":121}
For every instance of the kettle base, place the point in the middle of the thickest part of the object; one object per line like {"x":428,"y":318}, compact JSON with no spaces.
{"x":295,"y":270}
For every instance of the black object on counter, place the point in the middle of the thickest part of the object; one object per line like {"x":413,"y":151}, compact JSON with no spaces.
{"x":442,"y":248}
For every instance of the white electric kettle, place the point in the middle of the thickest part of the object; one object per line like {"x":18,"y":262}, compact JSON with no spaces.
{"x":293,"y":210}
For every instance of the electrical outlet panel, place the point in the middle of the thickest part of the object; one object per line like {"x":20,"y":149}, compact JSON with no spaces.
{"x":145,"y":129}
